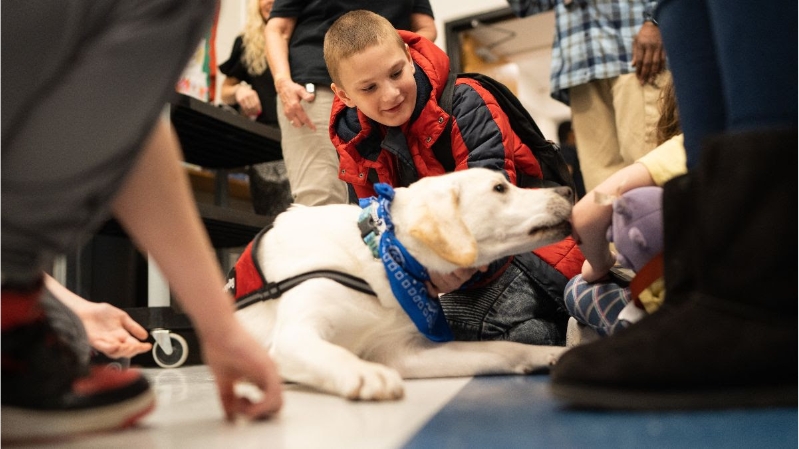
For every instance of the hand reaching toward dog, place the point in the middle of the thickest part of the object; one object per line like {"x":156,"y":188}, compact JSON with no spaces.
{"x":441,"y":283}
{"x":110,"y":330}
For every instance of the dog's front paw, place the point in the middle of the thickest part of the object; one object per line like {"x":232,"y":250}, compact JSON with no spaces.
{"x":371,"y":382}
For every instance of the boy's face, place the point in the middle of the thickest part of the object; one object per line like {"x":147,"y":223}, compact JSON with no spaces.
{"x":379,"y":82}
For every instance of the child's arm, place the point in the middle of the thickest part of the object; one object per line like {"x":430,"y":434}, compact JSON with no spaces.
{"x":110,"y":330}
{"x":156,"y":207}
{"x":591,"y":220}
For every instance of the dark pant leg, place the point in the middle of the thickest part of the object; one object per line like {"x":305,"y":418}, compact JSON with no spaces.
{"x":525,"y":304}
{"x":756,"y":48}
{"x":696,"y":74}
{"x":733,"y":66}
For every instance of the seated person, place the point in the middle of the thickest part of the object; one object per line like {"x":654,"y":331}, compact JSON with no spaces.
{"x":591,"y":291}
{"x":384,"y":120}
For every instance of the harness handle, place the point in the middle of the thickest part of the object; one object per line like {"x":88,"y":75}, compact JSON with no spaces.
{"x":273,"y":290}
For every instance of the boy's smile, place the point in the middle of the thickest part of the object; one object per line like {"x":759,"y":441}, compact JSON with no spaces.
{"x":379,"y":82}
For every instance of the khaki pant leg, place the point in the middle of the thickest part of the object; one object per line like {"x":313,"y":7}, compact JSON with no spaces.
{"x":637,"y":113}
{"x":311,"y":160}
{"x":614,"y":124}
{"x":595,"y":131}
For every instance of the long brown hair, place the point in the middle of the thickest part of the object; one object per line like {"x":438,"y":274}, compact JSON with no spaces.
{"x":669,"y":123}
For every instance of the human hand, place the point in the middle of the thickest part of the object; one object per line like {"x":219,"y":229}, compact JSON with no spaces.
{"x":112,"y":331}
{"x":148,"y":212}
{"x":248,"y":100}
{"x":291,"y":95}
{"x":234,"y":357}
{"x":649,"y":57}
{"x":441,"y":283}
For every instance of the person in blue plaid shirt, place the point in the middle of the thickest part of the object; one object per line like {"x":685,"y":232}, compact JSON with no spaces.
{"x":608,"y":65}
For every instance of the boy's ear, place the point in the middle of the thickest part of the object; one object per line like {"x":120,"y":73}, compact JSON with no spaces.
{"x":410,"y":59}
{"x":342,"y":95}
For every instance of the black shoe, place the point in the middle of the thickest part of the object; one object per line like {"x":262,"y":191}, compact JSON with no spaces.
{"x":48,"y":393}
{"x":702,"y":353}
{"x":725,"y":336}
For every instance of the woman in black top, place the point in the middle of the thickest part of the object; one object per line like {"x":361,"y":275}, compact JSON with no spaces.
{"x":250,"y":88}
{"x":248,"y":85}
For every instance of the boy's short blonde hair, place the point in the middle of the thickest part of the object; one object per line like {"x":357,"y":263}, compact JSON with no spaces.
{"x":353,"y":33}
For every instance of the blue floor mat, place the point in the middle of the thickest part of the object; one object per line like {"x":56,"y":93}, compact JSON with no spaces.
{"x":519,"y":412}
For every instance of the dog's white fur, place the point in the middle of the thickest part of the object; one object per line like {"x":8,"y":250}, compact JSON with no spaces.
{"x":335,"y":339}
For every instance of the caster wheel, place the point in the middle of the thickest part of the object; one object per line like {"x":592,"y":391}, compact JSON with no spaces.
{"x":178,"y":355}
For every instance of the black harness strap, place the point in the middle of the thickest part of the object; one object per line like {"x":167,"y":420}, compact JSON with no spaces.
{"x":274,"y":290}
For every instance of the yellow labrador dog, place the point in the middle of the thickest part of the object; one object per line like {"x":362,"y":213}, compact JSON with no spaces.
{"x":365,"y":323}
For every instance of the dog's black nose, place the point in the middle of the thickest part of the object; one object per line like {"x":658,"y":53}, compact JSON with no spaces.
{"x":565,"y":192}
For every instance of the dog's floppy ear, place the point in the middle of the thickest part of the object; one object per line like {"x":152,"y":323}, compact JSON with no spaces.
{"x":441,"y":229}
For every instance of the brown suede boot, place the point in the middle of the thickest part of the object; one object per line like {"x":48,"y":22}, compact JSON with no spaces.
{"x":726,"y":336}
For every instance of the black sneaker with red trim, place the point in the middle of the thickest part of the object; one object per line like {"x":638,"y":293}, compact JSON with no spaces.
{"x":47,"y":393}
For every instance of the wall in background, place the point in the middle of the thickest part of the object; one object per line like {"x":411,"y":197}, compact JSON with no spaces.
{"x":232,"y":14}
{"x":514,"y":51}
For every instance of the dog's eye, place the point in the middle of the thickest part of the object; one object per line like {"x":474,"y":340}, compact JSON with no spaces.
{"x":500,"y":188}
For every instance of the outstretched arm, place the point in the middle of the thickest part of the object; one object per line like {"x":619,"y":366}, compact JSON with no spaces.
{"x":156,"y":207}
{"x":110,"y":330}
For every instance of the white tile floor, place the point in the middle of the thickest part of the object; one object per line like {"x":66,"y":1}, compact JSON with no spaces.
{"x":189,"y":415}
{"x":508,"y":412}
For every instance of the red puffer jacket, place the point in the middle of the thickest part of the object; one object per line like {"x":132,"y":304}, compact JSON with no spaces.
{"x":481,"y":136}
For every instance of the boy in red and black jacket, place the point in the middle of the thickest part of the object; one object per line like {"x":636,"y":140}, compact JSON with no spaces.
{"x":384,"y":122}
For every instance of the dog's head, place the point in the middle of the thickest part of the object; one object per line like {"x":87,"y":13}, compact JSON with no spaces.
{"x":472,"y":217}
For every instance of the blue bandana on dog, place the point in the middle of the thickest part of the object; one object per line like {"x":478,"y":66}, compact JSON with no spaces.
{"x":405,"y":274}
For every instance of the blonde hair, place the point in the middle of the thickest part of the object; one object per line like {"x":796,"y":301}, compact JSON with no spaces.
{"x":353,"y":33}
{"x":254,"y":40}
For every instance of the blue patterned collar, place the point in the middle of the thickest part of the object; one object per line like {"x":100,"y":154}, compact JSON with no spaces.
{"x":405,"y":274}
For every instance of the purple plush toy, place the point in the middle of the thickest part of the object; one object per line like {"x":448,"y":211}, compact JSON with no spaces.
{"x":637,"y":226}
